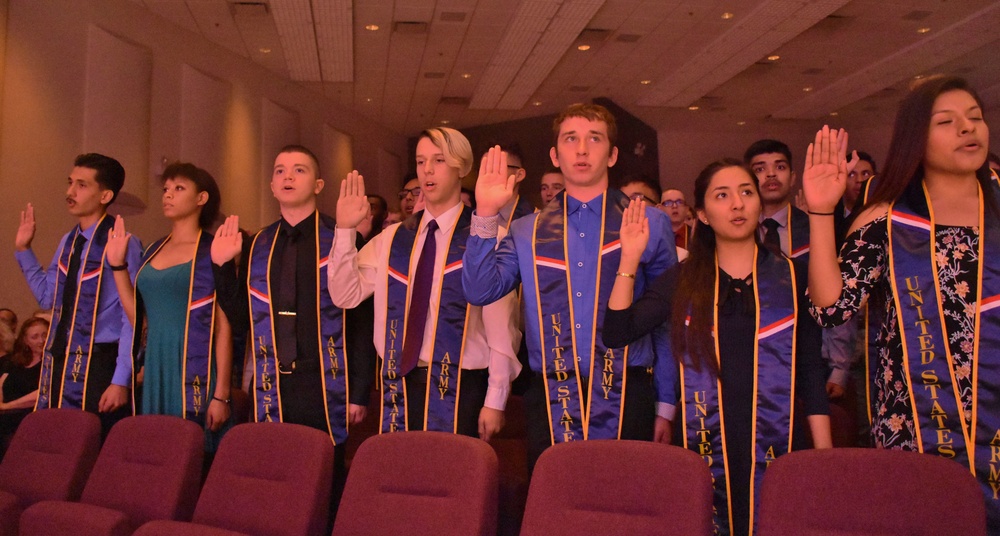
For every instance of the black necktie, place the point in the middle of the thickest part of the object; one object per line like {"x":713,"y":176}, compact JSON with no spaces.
{"x":285,"y":325}
{"x":416,"y":315}
{"x":68,"y":298}
{"x":771,"y":238}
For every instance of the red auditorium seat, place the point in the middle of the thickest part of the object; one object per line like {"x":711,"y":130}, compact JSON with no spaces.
{"x":869,"y":491}
{"x":49,"y":458}
{"x":618,"y":487}
{"x":420,"y":483}
{"x":267,"y":478}
{"x":149,"y":468}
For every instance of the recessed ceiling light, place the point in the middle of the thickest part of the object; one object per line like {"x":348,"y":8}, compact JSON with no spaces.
{"x":466,"y":75}
{"x":371,"y":27}
{"x":692,"y":108}
{"x":741,"y":123}
{"x":264,"y":50}
{"x":807,"y":89}
{"x":834,"y":114}
{"x":583,"y":47}
{"x":369,"y":99}
{"x":774,"y":57}
{"x":537,"y":103}
{"x":918,"y":77}
{"x":645,"y":82}
{"x":727,"y":15}
{"x":923,"y":30}
{"x":445,"y":121}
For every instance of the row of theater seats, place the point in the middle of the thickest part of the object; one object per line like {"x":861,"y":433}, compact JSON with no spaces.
{"x":275,"y":479}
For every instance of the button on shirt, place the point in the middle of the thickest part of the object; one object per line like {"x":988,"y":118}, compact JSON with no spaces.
{"x":490,"y":274}
{"x":493,"y":336}
{"x":111,"y":325}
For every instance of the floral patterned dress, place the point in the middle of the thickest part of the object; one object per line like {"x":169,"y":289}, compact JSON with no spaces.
{"x":865,"y":270}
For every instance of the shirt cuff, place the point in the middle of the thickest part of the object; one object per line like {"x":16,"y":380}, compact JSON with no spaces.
{"x":667,"y":411}
{"x":496,"y":398}
{"x":484,"y":227}
{"x":839,"y":377}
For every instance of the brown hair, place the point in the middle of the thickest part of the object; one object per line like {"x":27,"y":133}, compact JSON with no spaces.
{"x":591,"y":112}
{"x":695,"y":294}
{"x":903,"y":171}
{"x":21,"y":356}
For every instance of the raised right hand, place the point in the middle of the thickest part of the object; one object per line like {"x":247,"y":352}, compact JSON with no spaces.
{"x":494,"y":187}
{"x":117,"y":243}
{"x":228,"y":241}
{"x":634,"y":233}
{"x":825,"y":177}
{"x":353,"y":205}
{"x":26,"y":230}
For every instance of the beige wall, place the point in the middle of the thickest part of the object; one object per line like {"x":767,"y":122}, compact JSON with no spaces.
{"x":110,"y":76}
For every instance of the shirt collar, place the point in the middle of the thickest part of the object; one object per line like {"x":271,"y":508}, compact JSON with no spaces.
{"x":88,"y":233}
{"x":304,"y":227}
{"x":595,"y":205}
{"x":781,"y":216}
{"x":446,"y":221}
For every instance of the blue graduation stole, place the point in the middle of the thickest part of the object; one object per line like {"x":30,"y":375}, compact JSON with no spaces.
{"x":942,"y":427}
{"x":333,"y":353}
{"x":798,"y":233}
{"x":198,"y":360}
{"x":704,"y":425}
{"x":68,"y":387}
{"x":444,"y":373}
{"x":568,"y":419}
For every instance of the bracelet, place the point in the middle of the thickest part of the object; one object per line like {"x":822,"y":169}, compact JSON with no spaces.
{"x":623,"y":274}
{"x":118,"y":268}
{"x":811,"y":213}
{"x":226,"y":401}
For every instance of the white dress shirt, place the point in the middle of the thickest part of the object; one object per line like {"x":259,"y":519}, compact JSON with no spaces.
{"x":492,"y":336}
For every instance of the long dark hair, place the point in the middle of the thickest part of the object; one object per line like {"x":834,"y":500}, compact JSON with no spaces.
{"x":203,"y":182}
{"x":903,"y":172}
{"x":22,"y":356}
{"x":695,"y":294}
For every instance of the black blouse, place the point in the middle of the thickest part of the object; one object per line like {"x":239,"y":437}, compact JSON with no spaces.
{"x":737,"y":337}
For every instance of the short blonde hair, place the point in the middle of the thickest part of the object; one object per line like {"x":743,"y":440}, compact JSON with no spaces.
{"x":454,"y":145}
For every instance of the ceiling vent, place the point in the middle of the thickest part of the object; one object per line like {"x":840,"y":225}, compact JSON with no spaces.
{"x":248,"y":9}
{"x":410,"y":27}
{"x":593,"y":35}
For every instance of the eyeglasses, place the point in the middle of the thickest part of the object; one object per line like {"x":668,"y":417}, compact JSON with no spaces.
{"x":415,"y":192}
{"x":673,"y":203}
{"x":865,"y":175}
{"x":637,"y":196}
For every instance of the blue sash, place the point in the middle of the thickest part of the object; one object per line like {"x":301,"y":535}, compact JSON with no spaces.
{"x":568,"y":419}
{"x":333,"y":353}
{"x":704,"y":425}
{"x":197,"y":362}
{"x":798,"y":233}
{"x":72,"y":379}
{"x":444,"y":373}
{"x":941,"y":424}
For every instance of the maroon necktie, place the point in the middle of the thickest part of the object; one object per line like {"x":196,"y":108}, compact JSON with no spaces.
{"x":420,"y":297}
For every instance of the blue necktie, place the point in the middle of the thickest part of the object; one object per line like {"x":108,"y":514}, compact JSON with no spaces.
{"x":420,"y":297}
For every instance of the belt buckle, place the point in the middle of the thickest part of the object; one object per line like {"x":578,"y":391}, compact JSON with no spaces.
{"x":282,"y":370}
